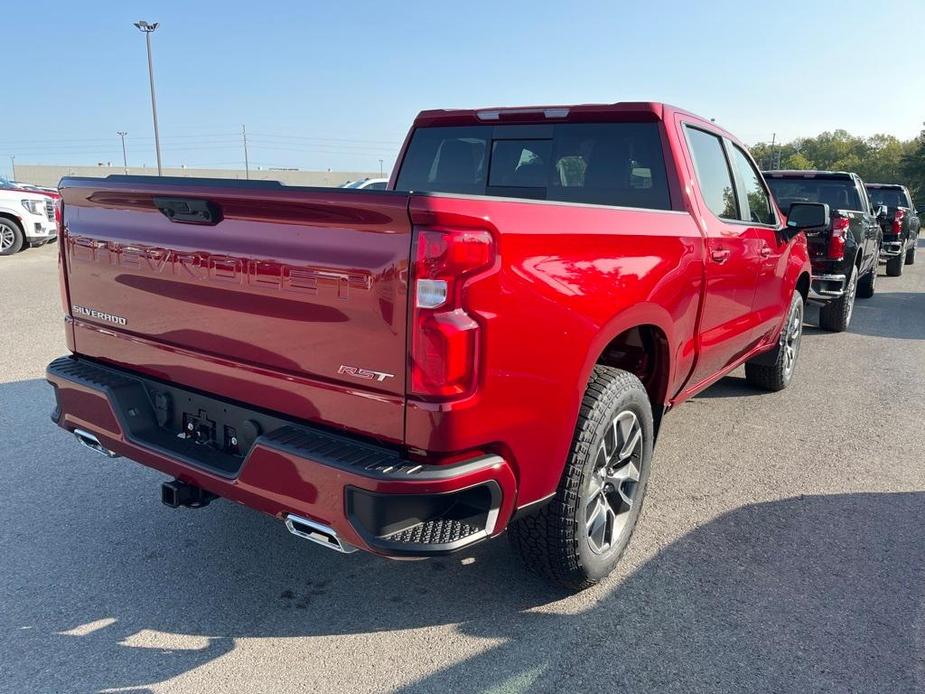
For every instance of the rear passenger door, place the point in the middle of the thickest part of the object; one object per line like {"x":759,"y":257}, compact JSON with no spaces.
{"x":733,"y":263}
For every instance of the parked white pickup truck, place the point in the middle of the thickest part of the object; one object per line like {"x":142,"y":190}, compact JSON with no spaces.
{"x":27,"y":218}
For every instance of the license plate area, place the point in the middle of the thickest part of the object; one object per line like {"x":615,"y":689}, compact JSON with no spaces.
{"x":216,"y":433}
{"x":201,"y":429}
{"x":156,"y":416}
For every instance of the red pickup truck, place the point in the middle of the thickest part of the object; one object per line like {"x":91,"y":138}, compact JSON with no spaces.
{"x":489,"y":344}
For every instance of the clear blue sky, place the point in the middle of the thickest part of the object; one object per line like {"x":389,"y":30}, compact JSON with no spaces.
{"x":324,"y":85}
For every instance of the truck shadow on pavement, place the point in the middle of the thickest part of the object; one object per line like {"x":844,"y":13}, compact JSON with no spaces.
{"x":887,"y":313}
{"x":104,"y":588}
{"x":895,"y":314}
{"x":899,"y":315}
{"x":817,"y":593}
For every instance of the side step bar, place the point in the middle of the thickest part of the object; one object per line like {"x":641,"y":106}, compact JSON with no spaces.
{"x":88,"y":440}
{"x":318,"y":533}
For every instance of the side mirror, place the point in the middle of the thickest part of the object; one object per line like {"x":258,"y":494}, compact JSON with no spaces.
{"x":806,"y":215}
{"x":882,"y":211}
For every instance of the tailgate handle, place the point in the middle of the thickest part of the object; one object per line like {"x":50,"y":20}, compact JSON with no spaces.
{"x":187,"y":211}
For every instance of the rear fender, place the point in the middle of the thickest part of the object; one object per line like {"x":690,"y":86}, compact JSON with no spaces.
{"x":633,"y":317}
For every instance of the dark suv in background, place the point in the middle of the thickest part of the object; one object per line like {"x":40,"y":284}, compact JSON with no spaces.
{"x":845,"y":253}
{"x":900,"y":224}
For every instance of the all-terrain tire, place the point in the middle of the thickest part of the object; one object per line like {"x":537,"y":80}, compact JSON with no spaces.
{"x":867,"y":285}
{"x":774,"y":370}
{"x":910,"y":254}
{"x":894,"y":266}
{"x":555,"y":541}
{"x":836,"y":315}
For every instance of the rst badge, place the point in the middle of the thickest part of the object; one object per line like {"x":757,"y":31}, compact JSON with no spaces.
{"x":98,"y":315}
{"x":365,"y":374}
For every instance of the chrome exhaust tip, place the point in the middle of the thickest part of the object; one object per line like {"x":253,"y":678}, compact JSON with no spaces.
{"x":88,"y":440}
{"x":317,"y":533}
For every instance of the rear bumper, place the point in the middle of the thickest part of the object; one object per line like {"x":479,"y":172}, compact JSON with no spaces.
{"x":890,"y":249}
{"x":827,"y":287}
{"x":372,"y":497}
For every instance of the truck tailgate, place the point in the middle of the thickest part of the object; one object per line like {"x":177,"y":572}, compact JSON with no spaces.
{"x":292,"y":299}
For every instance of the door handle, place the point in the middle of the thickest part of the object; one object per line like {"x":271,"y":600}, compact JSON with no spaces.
{"x":765,"y":251}
{"x":720,"y":255}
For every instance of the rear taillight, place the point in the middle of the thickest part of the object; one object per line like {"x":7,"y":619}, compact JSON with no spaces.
{"x":445,"y":338}
{"x":837,"y":239}
{"x":898,"y":221}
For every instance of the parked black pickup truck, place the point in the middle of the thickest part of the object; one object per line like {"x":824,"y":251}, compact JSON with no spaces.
{"x":900,"y":225}
{"x":845,"y":254}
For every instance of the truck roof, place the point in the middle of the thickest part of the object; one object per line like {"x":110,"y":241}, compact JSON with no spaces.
{"x":885,"y":185}
{"x":561,"y":113}
{"x":807,"y":173}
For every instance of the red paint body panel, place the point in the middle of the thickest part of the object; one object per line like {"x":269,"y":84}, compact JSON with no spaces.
{"x":374,"y":414}
{"x":265,"y":306}
{"x":570,"y":279}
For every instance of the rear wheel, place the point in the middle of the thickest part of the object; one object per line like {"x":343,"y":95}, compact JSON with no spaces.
{"x":577,"y":538}
{"x":836,"y":315}
{"x":774,"y":370}
{"x":11,"y":237}
{"x":910,"y":254}
{"x":868,"y":283}
{"x":894,"y":266}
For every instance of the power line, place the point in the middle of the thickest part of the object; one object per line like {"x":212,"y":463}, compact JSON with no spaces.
{"x":321,"y":147}
{"x":88,"y":140}
{"x":303,"y":152}
{"x":329,"y":139}
{"x":6,"y":142}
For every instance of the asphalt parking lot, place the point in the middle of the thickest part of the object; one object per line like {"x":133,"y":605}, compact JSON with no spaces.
{"x":782,"y":548}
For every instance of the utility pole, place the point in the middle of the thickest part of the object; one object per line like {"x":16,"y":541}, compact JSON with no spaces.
{"x":247,"y":170}
{"x":122,"y":134}
{"x":380,"y":168}
{"x":13,"y":165}
{"x":147,"y":30}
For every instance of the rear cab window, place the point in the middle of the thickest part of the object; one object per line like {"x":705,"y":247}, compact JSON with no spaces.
{"x":619,"y":164}
{"x":889,"y":196}
{"x":838,"y":191}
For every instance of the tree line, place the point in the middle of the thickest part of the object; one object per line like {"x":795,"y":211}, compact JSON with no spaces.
{"x":876,"y":159}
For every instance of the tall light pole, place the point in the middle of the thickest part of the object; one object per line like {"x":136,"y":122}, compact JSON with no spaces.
{"x":247,"y":170}
{"x":147,"y":30}
{"x":122,"y":134}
